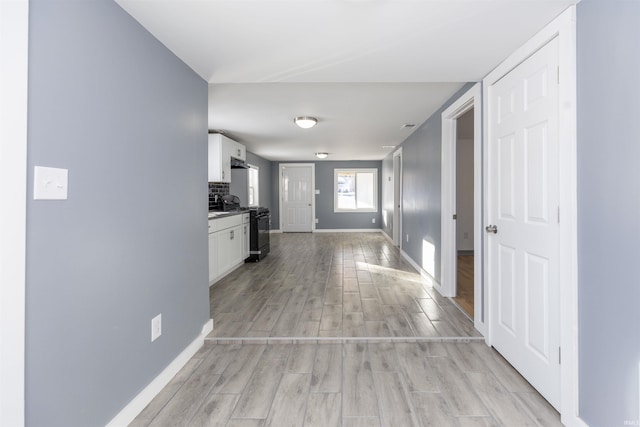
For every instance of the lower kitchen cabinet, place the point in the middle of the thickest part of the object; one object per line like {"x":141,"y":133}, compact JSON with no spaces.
{"x":246,"y":234}
{"x":226,"y":246}
{"x":214,"y":270}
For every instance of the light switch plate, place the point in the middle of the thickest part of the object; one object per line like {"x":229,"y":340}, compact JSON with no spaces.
{"x":50,"y":183}
{"x":156,"y":327}
{"x":317,"y":191}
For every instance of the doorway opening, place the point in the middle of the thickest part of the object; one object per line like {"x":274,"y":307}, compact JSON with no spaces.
{"x":464,"y":185}
{"x":461,"y":239}
{"x":397,"y":198}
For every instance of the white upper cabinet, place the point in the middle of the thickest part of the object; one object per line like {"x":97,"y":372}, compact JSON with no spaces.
{"x":221,"y":150}
{"x":237,"y":150}
{"x":219,"y":159}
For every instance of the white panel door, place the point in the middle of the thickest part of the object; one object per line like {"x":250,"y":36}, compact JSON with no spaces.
{"x":297,"y":198}
{"x":523,"y":206}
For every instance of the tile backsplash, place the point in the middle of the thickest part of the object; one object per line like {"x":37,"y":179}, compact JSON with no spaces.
{"x":219,"y":188}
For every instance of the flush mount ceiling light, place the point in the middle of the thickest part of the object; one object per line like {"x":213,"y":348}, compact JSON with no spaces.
{"x":322,"y":155}
{"x":305,"y":122}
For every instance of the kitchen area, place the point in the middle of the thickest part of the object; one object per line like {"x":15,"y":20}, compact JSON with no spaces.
{"x":238,"y":226}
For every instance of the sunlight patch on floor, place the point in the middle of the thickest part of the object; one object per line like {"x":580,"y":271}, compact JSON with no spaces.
{"x":429,"y":257}
{"x":391,"y":272}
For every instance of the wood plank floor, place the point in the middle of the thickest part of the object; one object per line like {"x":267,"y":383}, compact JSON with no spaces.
{"x":464,"y":286}
{"x":337,"y":330}
{"x":348,"y":384}
{"x":332,"y":285}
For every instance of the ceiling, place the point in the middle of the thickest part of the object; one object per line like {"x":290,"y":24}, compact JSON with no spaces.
{"x":364,"y":68}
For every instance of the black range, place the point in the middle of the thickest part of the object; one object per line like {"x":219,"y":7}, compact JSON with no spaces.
{"x":259,"y":227}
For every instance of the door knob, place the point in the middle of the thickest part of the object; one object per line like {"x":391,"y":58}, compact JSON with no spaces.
{"x":492,"y":229}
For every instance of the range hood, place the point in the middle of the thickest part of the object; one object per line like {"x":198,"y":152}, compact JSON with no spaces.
{"x":238,"y":164}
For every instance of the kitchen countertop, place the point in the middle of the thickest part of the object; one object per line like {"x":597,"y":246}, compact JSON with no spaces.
{"x":222,"y":214}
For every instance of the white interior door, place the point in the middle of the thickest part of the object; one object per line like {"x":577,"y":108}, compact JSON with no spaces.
{"x":297,"y":193}
{"x":523,"y":206}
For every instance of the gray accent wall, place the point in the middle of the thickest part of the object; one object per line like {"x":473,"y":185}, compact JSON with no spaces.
{"x":327,"y":218}
{"x":608,"y":66}
{"x":128,"y":120}
{"x":421,"y":207}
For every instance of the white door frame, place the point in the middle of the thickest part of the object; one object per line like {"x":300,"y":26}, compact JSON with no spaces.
{"x":397,"y":198}
{"x":564,"y":28}
{"x":281,"y":167}
{"x":14,"y":36}
{"x":448,"y":273}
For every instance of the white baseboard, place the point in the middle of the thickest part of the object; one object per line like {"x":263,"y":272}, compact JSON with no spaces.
{"x":347,"y":230}
{"x":133,"y":408}
{"x":422,"y":271}
{"x":337,"y":230}
{"x":574,"y":421}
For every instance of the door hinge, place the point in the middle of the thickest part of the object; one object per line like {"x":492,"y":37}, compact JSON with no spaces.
{"x":559,"y":355}
{"x":558,"y":214}
{"x":558,"y":75}
{"x":455,"y":216}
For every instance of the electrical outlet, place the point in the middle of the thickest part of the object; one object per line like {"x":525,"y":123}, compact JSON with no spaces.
{"x":407,"y":238}
{"x":317,"y":220}
{"x":156,"y":327}
{"x":465,"y":235}
{"x":373,"y":220}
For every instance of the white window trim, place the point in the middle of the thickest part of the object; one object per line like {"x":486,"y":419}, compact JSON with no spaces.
{"x":257,"y":195}
{"x":356,"y":170}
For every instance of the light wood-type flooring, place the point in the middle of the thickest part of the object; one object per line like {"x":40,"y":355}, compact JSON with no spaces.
{"x":464,"y":285}
{"x":332,"y":285}
{"x":337,"y":330}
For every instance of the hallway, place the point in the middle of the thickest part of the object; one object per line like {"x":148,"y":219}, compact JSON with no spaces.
{"x":332,"y":285}
{"x":338,"y":330}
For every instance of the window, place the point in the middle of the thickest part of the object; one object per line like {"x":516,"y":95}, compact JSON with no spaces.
{"x":254,"y":191}
{"x":356,"y":190}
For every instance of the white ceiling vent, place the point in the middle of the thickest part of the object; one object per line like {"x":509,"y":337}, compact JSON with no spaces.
{"x":408,"y":126}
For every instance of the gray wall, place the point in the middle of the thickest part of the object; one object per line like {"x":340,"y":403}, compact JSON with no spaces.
{"x":129,"y":121}
{"x":239,"y":181}
{"x":608,"y":37}
{"x":327,"y":219}
{"x":421,"y":169}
